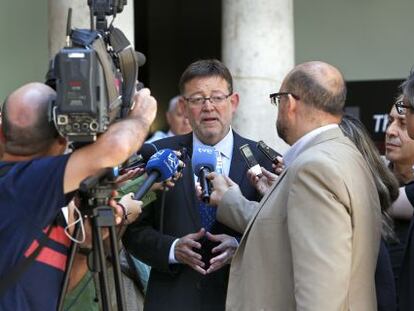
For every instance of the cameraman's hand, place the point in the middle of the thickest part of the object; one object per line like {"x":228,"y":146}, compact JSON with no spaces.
{"x":145,"y":106}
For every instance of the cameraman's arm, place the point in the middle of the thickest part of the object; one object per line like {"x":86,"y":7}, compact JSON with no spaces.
{"x":115,"y":145}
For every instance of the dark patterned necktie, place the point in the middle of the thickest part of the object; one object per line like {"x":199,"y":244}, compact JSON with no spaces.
{"x":207,"y":212}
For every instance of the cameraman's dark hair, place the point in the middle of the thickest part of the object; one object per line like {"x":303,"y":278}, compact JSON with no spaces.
{"x":36,"y":138}
{"x":313,"y":93}
{"x":385,"y":182}
{"x":206,"y":68}
{"x":407,"y":88}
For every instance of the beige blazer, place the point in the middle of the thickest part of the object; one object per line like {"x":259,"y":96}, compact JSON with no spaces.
{"x":312,"y":242}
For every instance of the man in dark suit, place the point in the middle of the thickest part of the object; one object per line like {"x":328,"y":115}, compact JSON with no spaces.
{"x":189,"y":255}
{"x":406,"y":278}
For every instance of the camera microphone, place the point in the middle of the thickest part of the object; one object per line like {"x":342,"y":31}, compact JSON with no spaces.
{"x":204,"y":162}
{"x":161,"y":166}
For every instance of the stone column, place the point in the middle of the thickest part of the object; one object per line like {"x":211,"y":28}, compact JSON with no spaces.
{"x":58,"y":11}
{"x":258,"y":48}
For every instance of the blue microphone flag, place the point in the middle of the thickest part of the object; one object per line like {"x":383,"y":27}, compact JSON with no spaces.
{"x":165,"y":162}
{"x":204,"y":157}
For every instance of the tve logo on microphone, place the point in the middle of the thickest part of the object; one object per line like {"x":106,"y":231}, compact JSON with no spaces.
{"x":205,"y":150}
{"x":173,"y":161}
{"x":163,"y":160}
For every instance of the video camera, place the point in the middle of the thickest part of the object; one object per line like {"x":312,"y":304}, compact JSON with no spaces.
{"x":95,"y":75}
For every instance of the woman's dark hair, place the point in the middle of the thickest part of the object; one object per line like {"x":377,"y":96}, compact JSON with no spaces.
{"x":385,"y":181}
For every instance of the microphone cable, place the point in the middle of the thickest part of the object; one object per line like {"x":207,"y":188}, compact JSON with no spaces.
{"x":162,"y":210}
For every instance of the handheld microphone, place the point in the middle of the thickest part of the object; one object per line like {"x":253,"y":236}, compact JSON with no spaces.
{"x":161,"y":166}
{"x":204,"y":162}
{"x":147,"y":151}
{"x":140,"y":158}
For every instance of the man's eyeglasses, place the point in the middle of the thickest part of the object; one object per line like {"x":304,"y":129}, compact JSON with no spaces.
{"x":402,"y":108}
{"x":275,"y":97}
{"x":199,"y":100}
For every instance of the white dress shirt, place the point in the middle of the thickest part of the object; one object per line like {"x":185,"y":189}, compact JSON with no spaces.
{"x":298,"y":146}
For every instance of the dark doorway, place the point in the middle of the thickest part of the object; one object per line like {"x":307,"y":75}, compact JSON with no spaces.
{"x":172,"y":34}
{"x":371,"y":102}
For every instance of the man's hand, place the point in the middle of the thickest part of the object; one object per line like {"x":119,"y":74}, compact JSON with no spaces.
{"x":184,"y":253}
{"x":264,"y":182}
{"x":118,"y":211}
{"x":144,"y":107}
{"x":170,"y":182}
{"x":279,"y":166}
{"x":225,"y":250}
{"x":128,"y":175}
{"x":220,"y":184}
{"x":131,"y":208}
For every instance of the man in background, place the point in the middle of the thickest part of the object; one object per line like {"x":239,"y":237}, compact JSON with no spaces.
{"x":399,"y":147}
{"x":405,"y":107}
{"x":399,"y":151}
{"x":177,"y":122}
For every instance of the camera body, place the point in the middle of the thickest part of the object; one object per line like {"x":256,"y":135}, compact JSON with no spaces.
{"x":106,"y":7}
{"x":81,"y":110}
{"x":95,"y":77}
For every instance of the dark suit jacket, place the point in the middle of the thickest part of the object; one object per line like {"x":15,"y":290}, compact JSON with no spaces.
{"x":178,"y":287}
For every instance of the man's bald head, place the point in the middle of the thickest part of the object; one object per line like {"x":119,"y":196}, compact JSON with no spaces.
{"x":25,"y":125}
{"x":319,"y":85}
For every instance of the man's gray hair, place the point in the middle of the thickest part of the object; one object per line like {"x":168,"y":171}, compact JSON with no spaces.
{"x":172,"y":104}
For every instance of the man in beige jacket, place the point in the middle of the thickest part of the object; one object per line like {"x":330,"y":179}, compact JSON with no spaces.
{"x":312,"y":242}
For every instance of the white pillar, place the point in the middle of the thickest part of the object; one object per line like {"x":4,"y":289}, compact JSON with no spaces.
{"x":258,"y":48}
{"x":58,"y":11}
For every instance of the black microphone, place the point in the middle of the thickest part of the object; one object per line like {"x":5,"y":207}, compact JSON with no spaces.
{"x":161,"y":166}
{"x":140,"y":158}
{"x":204,"y":162}
{"x":141,"y":58}
{"x":147,"y":151}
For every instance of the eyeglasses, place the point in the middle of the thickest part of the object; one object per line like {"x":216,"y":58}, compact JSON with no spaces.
{"x":199,"y":100}
{"x":275,"y":97}
{"x":402,"y":108}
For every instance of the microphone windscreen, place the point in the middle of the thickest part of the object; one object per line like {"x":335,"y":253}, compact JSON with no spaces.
{"x":146,"y":151}
{"x":165,"y":162}
{"x":141,"y":58}
{"x":203,"y":157}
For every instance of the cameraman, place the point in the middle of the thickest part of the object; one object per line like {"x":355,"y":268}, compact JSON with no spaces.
{"x":36,"y":180}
